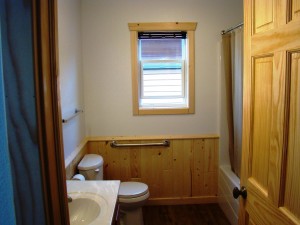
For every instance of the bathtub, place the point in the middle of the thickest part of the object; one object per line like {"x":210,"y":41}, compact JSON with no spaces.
{"x":227,"y":181}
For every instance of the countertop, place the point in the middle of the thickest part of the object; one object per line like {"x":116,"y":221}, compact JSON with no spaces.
{"x":108,"y":190}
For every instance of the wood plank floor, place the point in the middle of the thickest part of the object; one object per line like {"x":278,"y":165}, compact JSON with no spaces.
{"x":204,"y":214}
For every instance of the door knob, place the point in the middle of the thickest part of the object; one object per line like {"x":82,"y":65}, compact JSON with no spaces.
{"x":236,"y":192}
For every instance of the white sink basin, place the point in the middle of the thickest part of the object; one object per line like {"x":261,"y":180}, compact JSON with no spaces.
{"x":93,"y":202}
{"x":86,"y":208}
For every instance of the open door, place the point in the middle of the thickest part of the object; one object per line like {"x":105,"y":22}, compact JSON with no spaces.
{"x":271,"y":113}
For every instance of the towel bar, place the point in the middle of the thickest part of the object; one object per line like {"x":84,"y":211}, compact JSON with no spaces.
{"x":77,"y":111}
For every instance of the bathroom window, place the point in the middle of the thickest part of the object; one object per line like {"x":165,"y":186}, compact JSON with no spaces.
{"x":162,"y":68}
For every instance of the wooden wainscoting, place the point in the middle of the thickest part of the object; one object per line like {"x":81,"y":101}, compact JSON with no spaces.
{"x":186,"y":172}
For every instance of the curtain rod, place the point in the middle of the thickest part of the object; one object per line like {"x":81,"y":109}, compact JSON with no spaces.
{"x":231,"y":29}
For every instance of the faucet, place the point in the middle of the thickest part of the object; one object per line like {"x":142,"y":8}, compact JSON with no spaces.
{"x":70,"y":198}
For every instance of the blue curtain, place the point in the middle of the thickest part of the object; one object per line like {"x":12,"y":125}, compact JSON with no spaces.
{"x":20,"y":107}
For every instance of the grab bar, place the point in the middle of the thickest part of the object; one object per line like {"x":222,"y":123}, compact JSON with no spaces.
{"x":165,"y":143}
{"x":77,"y":111}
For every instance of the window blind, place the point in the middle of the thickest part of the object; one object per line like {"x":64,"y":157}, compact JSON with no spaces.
{"x":162,"y":35}
{"x":162,"y":76}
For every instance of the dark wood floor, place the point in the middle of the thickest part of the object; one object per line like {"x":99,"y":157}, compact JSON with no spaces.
{"x":205,"y":214}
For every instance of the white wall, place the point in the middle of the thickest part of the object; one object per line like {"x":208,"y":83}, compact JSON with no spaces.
{"x":71,"y":78}
{"x":107,"y":71}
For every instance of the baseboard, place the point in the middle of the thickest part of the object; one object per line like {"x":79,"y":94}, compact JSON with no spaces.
{"x":183,"y":200}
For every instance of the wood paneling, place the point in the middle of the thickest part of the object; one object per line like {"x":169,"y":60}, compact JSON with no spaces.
{"x":295,"y":10}
{"x":292,"y":188}
{"x":187,"y":170}
{"x":263,"y":15}
{"x":251,"y":222}
{"x":262,"y":110}
{"x":205,"y":162}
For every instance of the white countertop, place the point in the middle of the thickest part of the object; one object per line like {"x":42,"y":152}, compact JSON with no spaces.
{"x":108,"y":190}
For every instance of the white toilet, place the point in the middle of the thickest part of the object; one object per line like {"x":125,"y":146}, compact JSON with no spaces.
{"x":132,"y":195}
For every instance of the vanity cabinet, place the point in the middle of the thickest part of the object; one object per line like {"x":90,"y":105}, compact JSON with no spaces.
{"x":116,"y":217}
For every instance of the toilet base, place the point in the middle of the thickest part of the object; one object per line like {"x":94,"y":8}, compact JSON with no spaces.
{"x":132,"y":216}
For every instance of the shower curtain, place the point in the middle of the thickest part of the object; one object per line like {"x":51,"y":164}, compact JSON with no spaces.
{"x":233,"y":66}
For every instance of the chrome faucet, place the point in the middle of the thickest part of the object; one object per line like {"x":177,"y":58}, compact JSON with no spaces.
{"x":70,"y":198}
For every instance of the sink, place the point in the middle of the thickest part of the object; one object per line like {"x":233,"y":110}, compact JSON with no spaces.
{"x":83,"y":211}
{"x":86,"y":208}
{"x":93,"y":202}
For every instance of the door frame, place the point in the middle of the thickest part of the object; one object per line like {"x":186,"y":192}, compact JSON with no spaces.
{"x":44,"y":19}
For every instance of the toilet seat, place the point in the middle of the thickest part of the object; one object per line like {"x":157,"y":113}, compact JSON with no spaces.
{"x":133,"y":192}
{"x":132,"y":189}
{"x":137,"y":200}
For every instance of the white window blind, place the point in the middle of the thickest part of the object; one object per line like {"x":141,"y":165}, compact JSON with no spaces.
{"x":162,"y":72}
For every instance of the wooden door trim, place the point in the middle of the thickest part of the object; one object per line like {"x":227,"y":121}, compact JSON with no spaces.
{"x":44,"y":18}
{"x":243,"y":217}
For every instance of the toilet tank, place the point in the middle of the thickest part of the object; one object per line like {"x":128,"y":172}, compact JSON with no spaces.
{"x":91,"y":167}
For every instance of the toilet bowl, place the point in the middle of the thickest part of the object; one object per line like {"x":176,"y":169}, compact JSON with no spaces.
{"x":132,"y":195}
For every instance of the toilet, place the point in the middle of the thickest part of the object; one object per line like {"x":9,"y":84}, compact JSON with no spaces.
{"x":132,"y":195}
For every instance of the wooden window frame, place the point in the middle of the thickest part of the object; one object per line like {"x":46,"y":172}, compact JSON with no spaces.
{"x":190,"y":28}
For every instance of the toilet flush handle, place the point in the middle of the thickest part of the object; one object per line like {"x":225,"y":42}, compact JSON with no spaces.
{"x":97,"y":170}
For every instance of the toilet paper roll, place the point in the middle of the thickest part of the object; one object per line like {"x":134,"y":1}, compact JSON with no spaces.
{"x":78,"y":177}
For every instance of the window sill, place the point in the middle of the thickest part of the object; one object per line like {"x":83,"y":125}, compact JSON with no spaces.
{"x":164,"y":111}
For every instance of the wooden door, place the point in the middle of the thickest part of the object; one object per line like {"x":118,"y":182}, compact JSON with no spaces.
{"x":271,"y":113}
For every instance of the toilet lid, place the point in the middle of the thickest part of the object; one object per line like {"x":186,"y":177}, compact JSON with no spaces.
{"x":132,"y":189}
{"x":90,"y":161}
